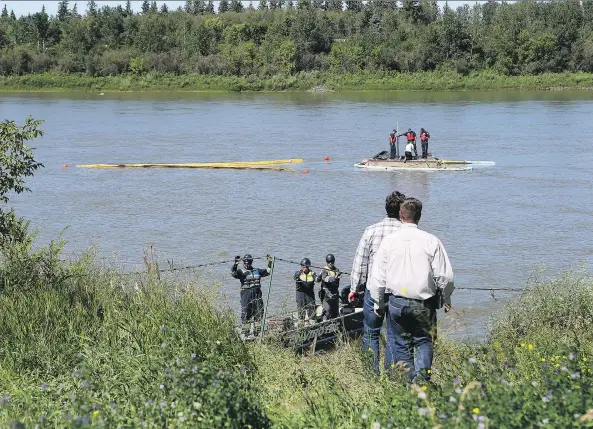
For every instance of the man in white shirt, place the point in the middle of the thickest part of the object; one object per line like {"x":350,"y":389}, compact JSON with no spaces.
{"x":409,"y":150}
{"x":411,"y":265}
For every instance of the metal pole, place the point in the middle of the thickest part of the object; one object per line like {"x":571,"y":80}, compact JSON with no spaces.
{"x":263,"y":321}
{"x":397,"y":139}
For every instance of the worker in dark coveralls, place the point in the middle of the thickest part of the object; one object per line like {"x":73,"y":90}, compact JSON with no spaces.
{"x":330,"y":285}
{"x":305,"y":295}
{"x":252,"y":304}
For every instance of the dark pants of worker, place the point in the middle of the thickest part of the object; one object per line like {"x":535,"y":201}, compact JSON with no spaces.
{"x":393,"y":151}
{"x":252,"y":305}
{"x":411,"y":332}
{"x":415,"y":150}
{"x":424,"y":148}
{"x":305,"y":303}
{"x":409,"y":155}
{"x":330,"y":304}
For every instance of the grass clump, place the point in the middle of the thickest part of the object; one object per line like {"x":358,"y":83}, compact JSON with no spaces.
{"x":81,"y":345}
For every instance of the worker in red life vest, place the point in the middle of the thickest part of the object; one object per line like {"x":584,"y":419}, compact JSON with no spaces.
{"x":424,"y":136}
{"x":393,"y":143}
{"x":411,"y":138}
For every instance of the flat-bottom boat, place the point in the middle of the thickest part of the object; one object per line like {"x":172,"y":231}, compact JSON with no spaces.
{"x":381,"y":161}
{"x":315,"y":334}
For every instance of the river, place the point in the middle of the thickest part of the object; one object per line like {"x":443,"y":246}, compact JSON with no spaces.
{"x":535,"y":206}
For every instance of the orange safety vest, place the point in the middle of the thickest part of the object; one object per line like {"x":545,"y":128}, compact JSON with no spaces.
{"x":423,"y":136}
{"x":410,"y":137}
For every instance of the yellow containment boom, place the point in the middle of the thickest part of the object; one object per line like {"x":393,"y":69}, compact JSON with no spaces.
{"x":236,"y":164}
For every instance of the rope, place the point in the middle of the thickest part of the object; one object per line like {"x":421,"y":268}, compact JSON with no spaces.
{"x":288,"y":261}
{"x":312,"y":266}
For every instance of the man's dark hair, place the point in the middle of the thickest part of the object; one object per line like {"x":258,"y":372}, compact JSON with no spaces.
{"x":393,"y":202}
{"x":411,"y":210}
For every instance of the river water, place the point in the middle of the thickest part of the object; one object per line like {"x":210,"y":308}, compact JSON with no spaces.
{"x":535,"y":206}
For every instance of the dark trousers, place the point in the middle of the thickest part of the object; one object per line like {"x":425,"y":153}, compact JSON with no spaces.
{"x":424,"y":148}
{"x":411,"y":332}
{"x":415,"y":150}
{"x":305,"y":303}
{"x":252,"y":304}
{"x":409,"y":155}
{"x":330,"y":304}
{"x":393,"y":151}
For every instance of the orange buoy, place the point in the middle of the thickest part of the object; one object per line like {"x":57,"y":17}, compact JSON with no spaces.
{"x":64,"y":165}
{"x":326,"y":158}
{"x":306,"y":171}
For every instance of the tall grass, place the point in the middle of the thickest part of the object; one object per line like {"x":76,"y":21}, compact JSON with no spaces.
{"x":303,"y":81}
{"x":83,"y":346}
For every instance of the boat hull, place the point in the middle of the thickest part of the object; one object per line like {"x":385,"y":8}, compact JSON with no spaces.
{"x":429,"y":164}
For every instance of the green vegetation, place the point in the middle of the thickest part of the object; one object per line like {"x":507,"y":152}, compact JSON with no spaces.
{"x":86,"y":346}
{"x":303,"y":81}
{"x":285,"y":45}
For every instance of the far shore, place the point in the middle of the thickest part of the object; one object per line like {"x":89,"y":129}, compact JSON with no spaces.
{"x":315,"y":82}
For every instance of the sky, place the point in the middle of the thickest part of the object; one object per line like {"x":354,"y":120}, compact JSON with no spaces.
{"x":25,"y":7}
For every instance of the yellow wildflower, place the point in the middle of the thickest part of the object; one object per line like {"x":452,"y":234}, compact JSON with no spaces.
{"x":584,"y":359}
{"x":424,"y":388}
{"x":95,"y":413}
{"x":530,"y":346}
{"x":523,"y":345}
{"x":563,"y":357}
{"x":476,"y":410}
{"x":429,"y":371}
{"x":543,"y":359}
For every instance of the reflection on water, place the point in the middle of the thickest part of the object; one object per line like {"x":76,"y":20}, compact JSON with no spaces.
{"x":497,"y":223}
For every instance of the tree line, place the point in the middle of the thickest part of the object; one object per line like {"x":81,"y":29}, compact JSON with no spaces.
{"x":272,"y":37}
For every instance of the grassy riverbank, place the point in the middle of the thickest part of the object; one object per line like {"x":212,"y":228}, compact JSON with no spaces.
{"x":84,"y":346}
{"x":304,"y":81}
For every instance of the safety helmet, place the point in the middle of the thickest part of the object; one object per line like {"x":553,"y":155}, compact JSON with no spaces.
{"x":306,"y":262}
{"x":409,"y":130}
{"x":248,"y":258}
{"x":330,"y":259}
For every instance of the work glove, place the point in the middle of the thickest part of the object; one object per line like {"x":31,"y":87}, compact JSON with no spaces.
{"x":237,"y":259}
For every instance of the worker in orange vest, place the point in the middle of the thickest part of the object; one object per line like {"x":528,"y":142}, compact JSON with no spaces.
{"x":424,"y":136}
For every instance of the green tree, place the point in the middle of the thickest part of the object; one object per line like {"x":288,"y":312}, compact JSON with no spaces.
{"x":153,"y":7}
{"x":16,"y":163}
{"x":12,"y":15}
{"x":209,"y":8}
{"x":4,"y":12}
{"x":63,"y":11}
{"x":42,"y":24}
{"x":236,"y":6}
{"x":145,"y":7}
{"x":129,"y":11}
{"x":354,"y":5}
{"x":164,"y":8}
{"x":92,"y":7}
{"x":263,"y":4}
{"x":223,"y":6}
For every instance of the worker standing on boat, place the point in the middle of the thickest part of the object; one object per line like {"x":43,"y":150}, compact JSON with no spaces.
{"x":424,"y":136}
{"x":411,"y":266}
{"x":393,"y":144}
{"x":252,"y":304}
{"x":363,"y":261}
{"x":330,"y":285}
{"x":305,"y":294}
{"x":411,"y":138}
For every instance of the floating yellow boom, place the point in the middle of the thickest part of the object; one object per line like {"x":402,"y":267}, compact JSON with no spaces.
{"x":237,"y":164}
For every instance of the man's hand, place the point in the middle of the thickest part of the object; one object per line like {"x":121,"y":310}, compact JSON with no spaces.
{"x":447,"y":308}
{"x":351,"y":296}
{"x":378,"y":311}
{"x":237,"y":259}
